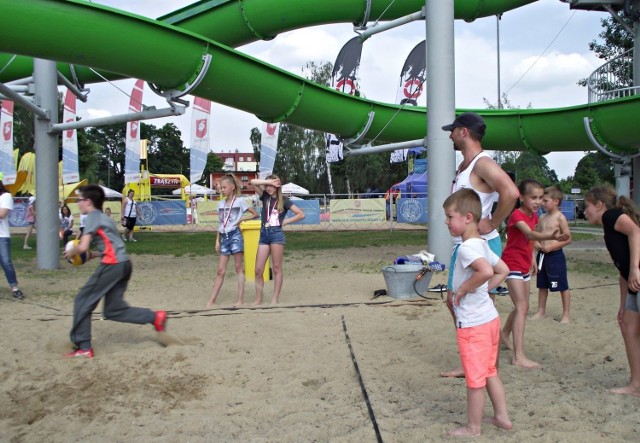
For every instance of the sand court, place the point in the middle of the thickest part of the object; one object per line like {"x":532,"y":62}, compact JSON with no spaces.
{"x":288,"y":373}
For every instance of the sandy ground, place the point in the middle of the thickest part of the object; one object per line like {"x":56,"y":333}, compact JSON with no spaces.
{"x":286,"y":374}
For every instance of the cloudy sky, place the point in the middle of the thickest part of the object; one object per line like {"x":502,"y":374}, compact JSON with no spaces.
{"x":543,"y":53}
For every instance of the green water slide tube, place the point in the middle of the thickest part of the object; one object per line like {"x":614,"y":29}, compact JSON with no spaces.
{"x":169,"y":53}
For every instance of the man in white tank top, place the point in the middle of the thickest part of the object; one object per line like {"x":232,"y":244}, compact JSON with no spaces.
{"x":481,"y":173}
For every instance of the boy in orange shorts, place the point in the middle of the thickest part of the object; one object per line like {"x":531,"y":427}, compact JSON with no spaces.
{"x":477,"y":270}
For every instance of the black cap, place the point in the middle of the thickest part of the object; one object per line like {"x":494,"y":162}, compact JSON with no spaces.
{"x":469,"y":120}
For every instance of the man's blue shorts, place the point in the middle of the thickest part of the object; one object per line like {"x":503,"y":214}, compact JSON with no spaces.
{"x":272,"y":236}
{"x":231,"y":243}
{"x":552,"y":274}
{"x":495,"y":244}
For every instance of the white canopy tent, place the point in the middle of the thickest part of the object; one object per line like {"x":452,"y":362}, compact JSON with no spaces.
{"x":110,"y":193}
{"x":292,"y":188}
{"x":194,"y":189}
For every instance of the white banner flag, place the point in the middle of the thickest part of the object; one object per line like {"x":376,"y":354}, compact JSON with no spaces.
{"x":132,"y":143}
{"x":268,"y":148}
{"x":70,"y":169}
{"x":200,"y":141}
{"x":7,"y":164}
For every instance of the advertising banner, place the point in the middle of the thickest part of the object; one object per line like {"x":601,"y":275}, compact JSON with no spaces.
{"x":132,"y":141}
{"x":366,"y":210}
{"x":7,"y":164}
{"x":70,"y":168}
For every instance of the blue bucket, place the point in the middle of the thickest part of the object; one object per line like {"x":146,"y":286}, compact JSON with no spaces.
{"x":401,"y":281}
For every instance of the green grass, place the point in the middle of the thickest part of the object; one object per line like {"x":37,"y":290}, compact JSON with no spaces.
{"x":199,"y":244}
{"x":202,"y":243}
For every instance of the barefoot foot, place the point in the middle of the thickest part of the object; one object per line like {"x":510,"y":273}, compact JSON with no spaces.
{"x":506,"y":341}
{"x":464,"y":432}
{"x":526,"y":363}
{"x":538,"y":316}
{"x":502,"y":423}
{"x":454,"y":373}
{"x":565,"y":320}
{"x":627,"y":390}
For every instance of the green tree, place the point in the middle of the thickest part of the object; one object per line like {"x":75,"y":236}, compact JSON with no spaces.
{"x":593,"y":169}
{"x":23,"y":132}
{"x":214,"y":163}
{"x":88,"y":157}
{"x":167,"y":154}
{"x":111,"y":140}
{"x":616,"y":40}
{"x":533,"y":165}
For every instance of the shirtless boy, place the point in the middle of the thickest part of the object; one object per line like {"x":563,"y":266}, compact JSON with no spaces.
{"x":550,"y":260}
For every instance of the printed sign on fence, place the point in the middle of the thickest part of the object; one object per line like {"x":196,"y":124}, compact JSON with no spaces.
{"x":412,"y":210}
{"x":368,"y":210}
{"x":311,"y":210}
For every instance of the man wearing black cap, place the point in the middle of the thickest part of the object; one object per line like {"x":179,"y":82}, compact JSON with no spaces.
{"x":481,"y":173}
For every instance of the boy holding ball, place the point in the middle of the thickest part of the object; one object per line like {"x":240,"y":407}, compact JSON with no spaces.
{"x":109,"y":280}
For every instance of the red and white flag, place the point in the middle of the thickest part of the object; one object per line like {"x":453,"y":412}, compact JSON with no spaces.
{"x":268,"y":148}
{"x":200,"y":137}
{"x":132,"y":140}
{"x":7,"y":164}
{"x":70,"y":165}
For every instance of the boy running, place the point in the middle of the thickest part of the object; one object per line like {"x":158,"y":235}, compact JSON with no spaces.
{"x":108,"y":281}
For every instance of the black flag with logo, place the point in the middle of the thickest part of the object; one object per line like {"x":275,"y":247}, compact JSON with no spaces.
{"x":412,"y":84}
{"x":344,"y":79}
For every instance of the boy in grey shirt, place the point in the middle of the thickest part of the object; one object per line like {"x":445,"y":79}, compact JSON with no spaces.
{"x":109,"y":280}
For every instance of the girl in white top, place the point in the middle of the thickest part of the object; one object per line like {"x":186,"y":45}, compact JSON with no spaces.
{"x":229,"y":238}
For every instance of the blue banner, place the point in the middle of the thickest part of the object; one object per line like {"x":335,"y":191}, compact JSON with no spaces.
{"x":163,"y":213}
{"x":311,"y":210}
{"x":18,"y":216}
{"x":412,"y":210}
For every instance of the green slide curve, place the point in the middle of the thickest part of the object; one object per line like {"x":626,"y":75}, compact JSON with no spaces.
{"x":168,"y":53}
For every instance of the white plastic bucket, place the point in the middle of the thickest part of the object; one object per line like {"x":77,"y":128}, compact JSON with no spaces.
{"x":401,"y":281}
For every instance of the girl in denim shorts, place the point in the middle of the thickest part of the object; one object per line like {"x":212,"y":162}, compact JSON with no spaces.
{"x":272,"y":241}
{"x":229,"y":238}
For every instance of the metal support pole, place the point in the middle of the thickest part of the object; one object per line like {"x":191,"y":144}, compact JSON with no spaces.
{"x":386,"y":148}
{"x":381,"y":27}
{"x":46,"y":147}
{"x":122,"y":118}
{"x":16,"y":97}
{"x":498,"y":17}
{"x":441,"y":111}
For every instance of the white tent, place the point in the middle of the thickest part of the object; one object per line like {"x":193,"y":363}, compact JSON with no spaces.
{"x":194,"y":189}
{"x":292,"y":188}
{"x":110,"y":193}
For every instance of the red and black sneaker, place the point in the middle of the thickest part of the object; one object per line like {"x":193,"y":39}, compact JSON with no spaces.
{"x":160,"y":322}
{"x":86,"y":353}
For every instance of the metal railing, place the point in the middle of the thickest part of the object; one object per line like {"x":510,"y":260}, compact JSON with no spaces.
{"x":613,"y":80}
